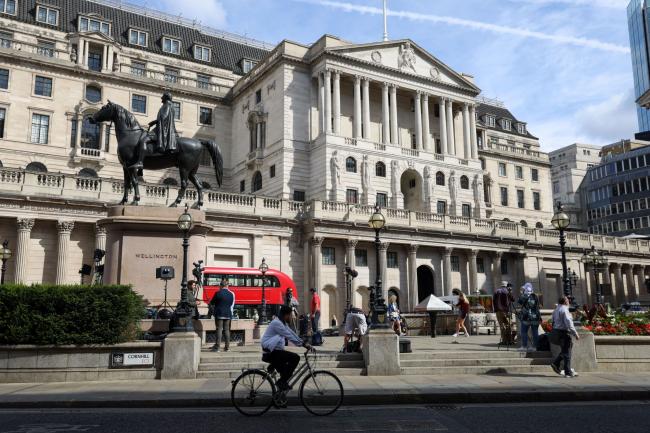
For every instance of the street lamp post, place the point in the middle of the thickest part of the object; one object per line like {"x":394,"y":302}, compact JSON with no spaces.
{"x":350,"y":274}
{"x":561,"y":221}
{"x":182,"y":318}
{"x":5,"y":254}
{"x":263,"y":269}
{"x":377,"y":222}
{"x":597,"y":260}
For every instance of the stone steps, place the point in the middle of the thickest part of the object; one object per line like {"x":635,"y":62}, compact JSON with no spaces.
{"x":233,"y":374}
{"x":472,"y":354}
{"x":225,"y":366}
{"x":487,"y":362}
{"x":476,"y":370}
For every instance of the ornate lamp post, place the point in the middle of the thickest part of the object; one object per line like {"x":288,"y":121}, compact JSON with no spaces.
{"x":263,"y":269}
{"x":598,"y":260}
{"x":561,"y":221}
{"x":378,"y":304}
{"x":182,"y":319}
{"x":5,"y":254}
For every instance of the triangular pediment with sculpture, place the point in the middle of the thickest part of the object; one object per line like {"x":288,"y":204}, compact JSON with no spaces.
{"x":407,"y":57}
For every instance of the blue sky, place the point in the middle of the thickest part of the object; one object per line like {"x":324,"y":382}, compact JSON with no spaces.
{"x":563,"y":66}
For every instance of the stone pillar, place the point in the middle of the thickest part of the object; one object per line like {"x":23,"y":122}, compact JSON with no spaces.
{"x":321,"y":103}
{"x":337,"y":102}
{"x":451,"y":141}
{"x":418,"y":120}
{"x":590,"y":283}
{"x":328,"y":101}
{"x":618,"y":289}
{"x":366,"y":108}
{"x":640,"y":280}
{"x":632,"y":293}
{"x":496,"y":271}
{"x":521,"y":269}
{"x":306,"y":276}
{"x":426,"y":136}
{"x":442,"y":110}
{"x":466,"y":131}
{"x":413,"y":276}
{"x":394,"y":129}
{"x":357,"y":107}
{"x":100,"y":239}
{"x":472,"y":126}
{"x":80,"y":52}
{"x":383,"y":248}
{"x":446,"y":263}
{"x":385,"y":115}
{"x":77,"y":143}
{"x":607,"y":279}
{"x":350,"y":247}
{"x":317,"y":263}
{"x":64,"y":229}
{"x":473,"y":280}
{"x":25,"y":226}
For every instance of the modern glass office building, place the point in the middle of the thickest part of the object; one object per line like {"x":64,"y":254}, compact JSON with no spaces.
{"x":637,"y":19}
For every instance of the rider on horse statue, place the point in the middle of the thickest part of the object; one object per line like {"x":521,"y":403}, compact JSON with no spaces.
{"x":163,"y":136}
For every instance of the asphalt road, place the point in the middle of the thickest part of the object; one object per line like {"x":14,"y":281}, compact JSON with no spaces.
{"x":599,"y":417}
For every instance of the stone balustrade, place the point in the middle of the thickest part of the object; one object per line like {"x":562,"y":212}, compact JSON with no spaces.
{"x":71,"y":187}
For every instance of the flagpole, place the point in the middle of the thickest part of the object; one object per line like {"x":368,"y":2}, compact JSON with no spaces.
{"x":385,"y":23}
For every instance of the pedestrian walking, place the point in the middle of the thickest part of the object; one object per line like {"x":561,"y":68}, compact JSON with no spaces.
{"x":530,"y":317}
{"x":291,"y":302}
{"x":223,"y":303}
{"x":563,"y":329}
{"x":463,"y":311}
{"x":501,"y":301}
{"x":314,"y":310}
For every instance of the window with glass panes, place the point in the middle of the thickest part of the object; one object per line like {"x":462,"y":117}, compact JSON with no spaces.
{"x":177,"y":110}
{"x":43,"y":86}
{"x":519,"y":172}
{"x":3,"y":116}
{"x":392,"y":259}
{"x":455,"y":264}
{"x":202,"y":81}
{"x":139,"y":104}
{"x":93,"y":25}
{"x":8,"y":7}
{"x":40,"y":128}
{"x":441,"y":207}
{"x":95,"y":61}
{"x":47,"y":15}
{"x":201,"y":53}
{"x":73,"y":133}
{"x":520,"y":198}
{"x":242,"y":186}
{"x":138,"y":68}
{"x":138,"y":37}
{"x":534,"y":174}
{"x":480,"y":265}
{"x":171,"y":46}
{"x":171,"y":75}
{"x":466,"y":210}
{"x":298,"y":195}
{"x":382,"y":199}
{"x":329,"y":255}
{"x":351,"y":196}
{"x":360,"y":257}
{"x":4,"y":78}
{"x":504,"y":196}
{"x":205,"y":116}
{"x":536,"y":201}
{"x":45,"y":48}
{"x":504,"y":266}
{"x":502,"y":169}
{"x":93,"y":93}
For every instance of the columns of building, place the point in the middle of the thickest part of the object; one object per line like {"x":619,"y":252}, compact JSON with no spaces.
{"x":385,"y":115}
{"x":418,"y":120}
{"x":336,"y":102}
{"x":394,"y":130}
{"x":472,"y":125}
{"x":466,"y":132}
{"x":25,"y":226}
{"x":383,"y":248}
{"x":618,"y":289}
{"x":350,"y":255}
{"x":473,"y":274}
{"x":357,"y":107}
{"x":639,"y":270}
{"x":451,"y":142}
{"x":64,"y":228}
{"x":607,"y":280}
{"x":413,"y":275}
{"x":366,"y":108}
{"x":328,"y":101}
{"x":442,"y":110}
{"x":590,"y":282}
{"x":425,"y":123}
{"x":306,"y":277}
{"x":321,"y":104}
{"x":317,"y":254}
{"x":496,"y":270}
{"x":632,"y":293}
{"x":446,"y":265}
{"x":100,"y":239}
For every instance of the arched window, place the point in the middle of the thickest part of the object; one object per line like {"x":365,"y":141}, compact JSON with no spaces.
{"x":440,"y":178}
{"x":206,"y":185}
{"x":464,"y":182}
{"x":380,"y":169}
{"x":351,"y":165}
{"x":36,"y":167}
{"x":539,"y":225}
{"x":523,"y":223}
{"x":170,"y":181}
{"x":90,"y":136}
{"x":87,"y":172}
{"x":93,"y":93}
{"x":256,"y":185}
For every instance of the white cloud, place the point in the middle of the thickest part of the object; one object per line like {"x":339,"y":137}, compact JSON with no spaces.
{"x":613,"y":4}
{"x":206,"y":12}
{"x":609,"y":120}
{"x":478,"y":25}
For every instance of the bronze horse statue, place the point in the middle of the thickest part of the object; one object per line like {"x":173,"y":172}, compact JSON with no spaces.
{"x":187,"y":158}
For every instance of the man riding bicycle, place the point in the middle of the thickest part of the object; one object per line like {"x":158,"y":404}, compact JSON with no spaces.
{"x":276,"y":337}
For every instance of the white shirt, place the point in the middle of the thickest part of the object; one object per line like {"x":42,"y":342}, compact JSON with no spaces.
{"x":275,"y":335}
{"x":563,"y":320}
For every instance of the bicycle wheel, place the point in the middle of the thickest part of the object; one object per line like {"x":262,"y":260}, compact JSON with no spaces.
{"x":252,"y":393}
{"x":321,"y":393}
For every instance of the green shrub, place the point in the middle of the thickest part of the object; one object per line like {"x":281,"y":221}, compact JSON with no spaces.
{"x":79,"y":314}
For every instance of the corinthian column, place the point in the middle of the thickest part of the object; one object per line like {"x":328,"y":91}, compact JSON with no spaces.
{"x":25,"y":226}
{"x":466,"y":132}
{"x":446,"y":259}
{"x":357,"y":107}
{"x":385,"y":115}
{"x":451,"y":141}
{"x":413,"y":276}
{"x":337,"y":102}
{"x":64,"y":229}
{"x":366,"y":108}
{"x":442,"y":110}
{"x":100,"y":239}
{"x":418,"y":120}
{"x":472,"y":126}
{"x":321,"y":104}
{"x":317,"y":256}
{"x":328,"y":101}
{"x":473,"y":280}
{"x":383,"y":247}
{"x":394,"y":130}
{"x":425,"y":123}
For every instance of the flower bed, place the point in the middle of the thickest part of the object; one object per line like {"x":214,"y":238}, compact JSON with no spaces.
{"x":620,"y":325}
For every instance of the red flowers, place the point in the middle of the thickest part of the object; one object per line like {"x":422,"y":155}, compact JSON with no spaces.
{"x":618,"y":324}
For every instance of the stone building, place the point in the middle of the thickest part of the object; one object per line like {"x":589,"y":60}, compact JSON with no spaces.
{"x":313,"y":137}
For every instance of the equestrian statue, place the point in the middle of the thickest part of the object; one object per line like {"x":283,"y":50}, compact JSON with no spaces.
{"x":157,"y":149}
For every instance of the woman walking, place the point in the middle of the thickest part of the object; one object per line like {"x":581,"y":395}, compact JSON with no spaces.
{"x":530,"y":317}
{"x":463,"y":311}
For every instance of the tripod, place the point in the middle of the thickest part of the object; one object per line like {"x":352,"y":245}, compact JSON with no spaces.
{"x":511,"y":338}
{"x":165,"y":303}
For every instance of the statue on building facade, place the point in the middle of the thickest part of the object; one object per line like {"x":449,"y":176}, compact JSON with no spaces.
{"x":394,"y":178}
{"x":182,"y":152}
{"x":477,"y":186}
{"x":406,"y":57}
{"x":428,"y":188}
{"x":335,"y":169}
{"x":365,"y":175}
{"x":452,"y":186}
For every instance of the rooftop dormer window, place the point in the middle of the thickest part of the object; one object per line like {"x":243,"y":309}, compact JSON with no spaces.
{"x":202,"y":53}
{"x":8,"y":7}
{"x":521,"y":128}
{"x":87,"y":24}
{"x":506,"y":124}
{"x":247,"y":65}
{"x":490,"y":120}
{"x":138,"y":37}
{"x":171,"y":46}
{"x":47,"y":15}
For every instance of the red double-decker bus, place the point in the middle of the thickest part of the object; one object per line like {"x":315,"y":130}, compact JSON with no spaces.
{"x":246,"y":284}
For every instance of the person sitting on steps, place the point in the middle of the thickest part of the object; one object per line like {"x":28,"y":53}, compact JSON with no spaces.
{"x":163,"y":136}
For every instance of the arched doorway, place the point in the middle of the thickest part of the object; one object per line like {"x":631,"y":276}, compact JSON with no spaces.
{"x":361,"y":297}
{"x":411,"y":187}
{"x":425,"y":282}
{"x":328,"y":307}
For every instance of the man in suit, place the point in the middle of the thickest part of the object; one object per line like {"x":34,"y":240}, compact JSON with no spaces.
{"x":223,"y":303}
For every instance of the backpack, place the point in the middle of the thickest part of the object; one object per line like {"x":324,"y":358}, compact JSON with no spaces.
{"x":543,"y":343}
{"x":317,"y":339}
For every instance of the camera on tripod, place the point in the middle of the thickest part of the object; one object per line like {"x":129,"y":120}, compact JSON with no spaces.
{"x":198,"y":270}
{"x":351,"y":272}
{"x":165,"y":273}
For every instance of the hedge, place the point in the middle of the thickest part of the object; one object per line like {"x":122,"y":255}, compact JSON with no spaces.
{"x":76,"y":314}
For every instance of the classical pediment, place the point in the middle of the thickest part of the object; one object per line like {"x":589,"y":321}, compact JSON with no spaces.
{"x":407,"y":57}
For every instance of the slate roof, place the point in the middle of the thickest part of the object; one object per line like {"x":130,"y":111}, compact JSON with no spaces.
{"x":500,"y":113}
{"x":226,"y":54}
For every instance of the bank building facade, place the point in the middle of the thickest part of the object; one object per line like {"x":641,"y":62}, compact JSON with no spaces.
{"x":312,"y":136}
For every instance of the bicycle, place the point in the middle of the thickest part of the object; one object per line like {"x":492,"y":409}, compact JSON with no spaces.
{"x":255,"y":390}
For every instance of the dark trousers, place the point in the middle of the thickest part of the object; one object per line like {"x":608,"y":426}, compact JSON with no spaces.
{"x":284,"y":362}
{"x":565,"y":342}
{"x":223,"y":327}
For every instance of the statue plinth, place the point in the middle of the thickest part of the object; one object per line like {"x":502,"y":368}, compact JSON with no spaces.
{"x":140,"y":239}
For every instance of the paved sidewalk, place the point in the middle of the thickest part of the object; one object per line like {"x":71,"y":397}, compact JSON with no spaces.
{"x":359,"y":390}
